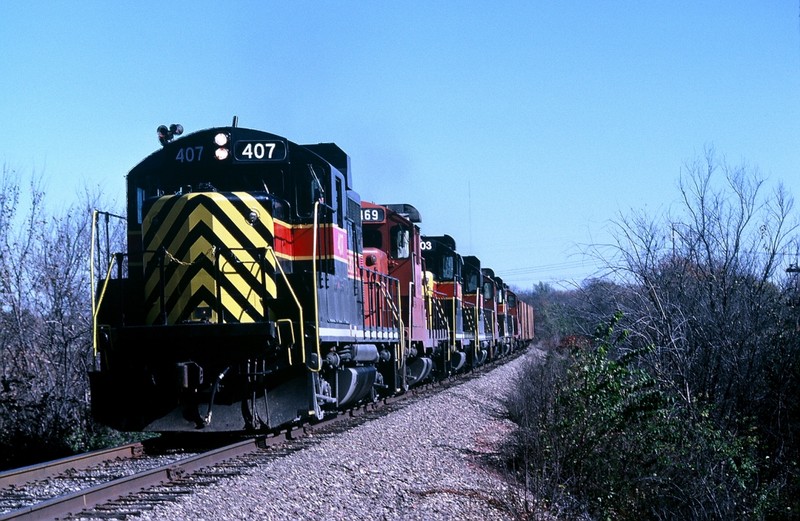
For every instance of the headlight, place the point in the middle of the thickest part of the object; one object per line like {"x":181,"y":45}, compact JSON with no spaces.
{"x":222,"y":140}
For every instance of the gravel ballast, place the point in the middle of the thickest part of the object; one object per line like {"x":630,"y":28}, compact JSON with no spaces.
{"x":426,"y":461}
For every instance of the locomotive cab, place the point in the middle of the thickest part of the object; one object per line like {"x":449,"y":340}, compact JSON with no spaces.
{"x":490,"y":294}
{"x":446,"y":264}
{"x":504,"y":324}
{"x":392,"y":232}
{"x":473,"y":313}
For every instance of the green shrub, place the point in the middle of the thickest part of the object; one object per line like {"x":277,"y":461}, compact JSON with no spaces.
{"x":599,"y":439}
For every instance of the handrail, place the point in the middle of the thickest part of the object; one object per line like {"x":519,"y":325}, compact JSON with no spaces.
{"x":291,"y":331}
{"x":436,"y":304}
{"x":299,"y":310}
{"x":401,"y":358}
{"x":96,"y":306}
{"x":96,"y":303}
{"x":455,"y":322}
{"x":410,"y":305}
{"x":372,"y":298}
{"x":316,"y":289}
{"x":477,"y":323}
{"x":397,"y":317}
{"x":91,"y":282}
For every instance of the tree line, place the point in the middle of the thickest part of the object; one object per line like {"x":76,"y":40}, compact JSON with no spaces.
{"x":45,"y":324}
{"x":670,"y":385}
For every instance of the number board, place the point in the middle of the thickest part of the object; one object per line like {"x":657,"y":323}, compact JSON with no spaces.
{"x":373,"y":215}
{"x":260,"y":150}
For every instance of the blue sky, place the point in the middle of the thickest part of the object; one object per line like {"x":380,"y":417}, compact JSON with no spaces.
{"x":519,"y":128}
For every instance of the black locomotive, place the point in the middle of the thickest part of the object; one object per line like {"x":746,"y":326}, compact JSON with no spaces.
{"x":247,"y":299}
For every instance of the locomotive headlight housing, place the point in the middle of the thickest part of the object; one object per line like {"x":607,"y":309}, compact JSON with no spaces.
{"x":222,"y":140}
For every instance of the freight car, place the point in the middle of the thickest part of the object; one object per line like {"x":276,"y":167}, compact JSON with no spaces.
{"x":257,"y":289}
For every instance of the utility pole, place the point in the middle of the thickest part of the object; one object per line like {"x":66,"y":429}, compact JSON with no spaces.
{"x":795,"y":300}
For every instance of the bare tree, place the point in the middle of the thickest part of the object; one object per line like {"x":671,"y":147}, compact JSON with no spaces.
{"x":707,"y":290}
{"x":684,"y":406}
{"x":707,"y":281}
{"x":45,"y":319}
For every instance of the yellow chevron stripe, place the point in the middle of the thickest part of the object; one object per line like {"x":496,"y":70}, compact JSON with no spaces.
{"x":202,"y":247}
{"x":156,"y":208}
{"x":244,"y":288}
{"x":166,"y":225}
{"x":152,"y":284}
{"x":205,"y":213}
{"x":240,"y":220}
{"x":232,"y":307}
{"x":203,"y":280}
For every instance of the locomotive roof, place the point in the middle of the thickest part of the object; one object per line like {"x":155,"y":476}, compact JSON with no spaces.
{"x":325,"y":152}
{"x":445,"y":240}
{"x":473,"y":261}
{"x":406,"y":210}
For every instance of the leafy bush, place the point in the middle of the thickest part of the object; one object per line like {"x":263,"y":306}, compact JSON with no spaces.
{"x":598,"y":438}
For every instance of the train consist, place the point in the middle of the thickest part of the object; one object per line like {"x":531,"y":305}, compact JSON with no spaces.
{"x":258,"y":289}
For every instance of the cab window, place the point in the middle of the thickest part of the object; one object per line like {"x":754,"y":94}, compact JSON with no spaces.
{"x":448,"y":268}
{"x":471,"y":285}
{"x":400,"y":244}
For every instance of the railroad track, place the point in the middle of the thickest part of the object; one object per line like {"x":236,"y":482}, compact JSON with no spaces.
{"x":122,"y":493}
{"x":20,"y":476}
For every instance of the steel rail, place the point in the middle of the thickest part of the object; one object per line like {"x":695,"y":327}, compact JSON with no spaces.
{"x":80,"y":461}
{"x":76,"y":502}
{"x":81,"y":500}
